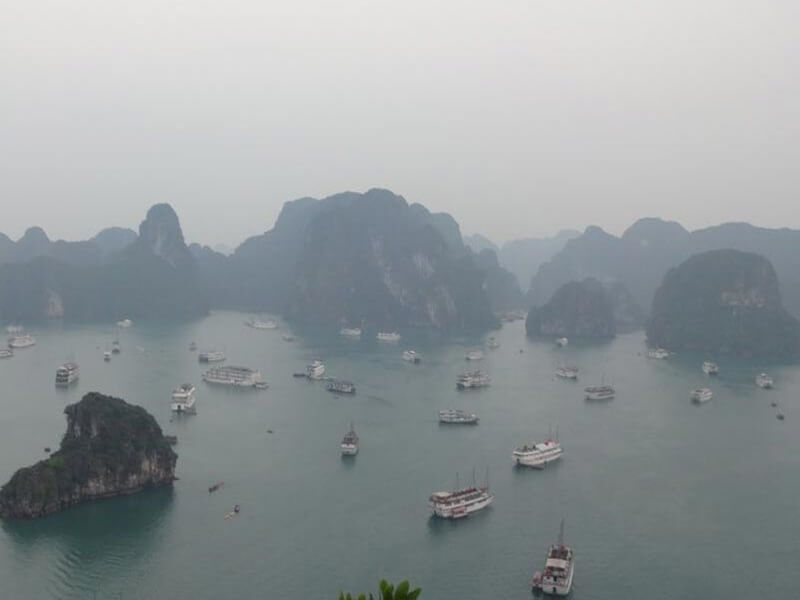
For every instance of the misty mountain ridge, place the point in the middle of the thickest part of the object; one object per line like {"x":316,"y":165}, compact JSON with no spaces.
{"x":644,"y":253}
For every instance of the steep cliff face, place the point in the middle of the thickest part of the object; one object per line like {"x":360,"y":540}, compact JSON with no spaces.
{"x":723,"y":301}
{"x":374,"y":260}
{"x":578,"y":309}
{"x":110,"y":448}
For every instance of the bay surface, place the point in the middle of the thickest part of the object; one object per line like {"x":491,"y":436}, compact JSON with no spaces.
{"x":662,"y":499}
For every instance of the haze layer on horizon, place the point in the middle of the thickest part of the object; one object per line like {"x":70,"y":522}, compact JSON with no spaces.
{"x":518,"y":118}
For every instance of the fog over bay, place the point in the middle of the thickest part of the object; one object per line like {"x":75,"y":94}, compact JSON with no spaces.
{"x":519,"y":118}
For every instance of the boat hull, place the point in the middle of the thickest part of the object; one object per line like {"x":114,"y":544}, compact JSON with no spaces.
{"x":536,"y":462}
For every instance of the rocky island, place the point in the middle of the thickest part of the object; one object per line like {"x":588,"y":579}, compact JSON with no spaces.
{"x":577,"y":309}
{"x":723,"y":301}
{"x":111,"y":448}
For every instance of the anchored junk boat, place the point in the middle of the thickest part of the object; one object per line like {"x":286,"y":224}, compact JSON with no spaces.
{"x":537,"y":455}
{"x":183,"y":399}
{"x":349,"y":445}
{"x":567,"y":373}
{"x":390,"y":336}
{"x":351,"y":332}
{"x":256,"y":323}
{"x":600,"y":392}
{"x":457,"y":417}
{"x":235,"y":377}
{"x":701,"y":395}
{"x":211,"y":356}
{"x":340,"y":386}
{"x":710,"y":368}
{"x":316,"y":370}
{"x":412,"y":357}
{"x":764,"y":381}
{"x":559,"y":569}
{"x":21,"y":340}
{"x":67,"y":374}
{"x":472,"y":380}
{"x":461,"y":502}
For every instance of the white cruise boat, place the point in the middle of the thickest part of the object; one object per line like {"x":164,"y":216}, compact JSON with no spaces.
{"x":211,"y":356}
{"x":412,"y":357}
{"x":349,"y":445}
{"x":125,"y":323}
{"x":567,"y":373}
{"x":562,"y":342}
{"x":537,"y":455}
{"x":388,"y":336}
{"x":235,"y":377}
{"x":472,"y":380}
{"x":67,"y":374}
{"x":559,"y":569}
{"x":316,"y":370}
{"x":183,"y":399}
{"x":493,"y":344}
{"x":701,"y":395}
{"x":710,"y":368}
{"x":658,"y":354}
{"x":457,"y":417}
{"x":6,"y":353}
{"x":461,"y":502}
{"x":600,"y":392}
{"x":474,"y":355}
{"x":259,"y":324}
{"x":764,"y":381}
{"x":351,"y":332}
{"x":21,"y":340}
{"x":107,"y":355}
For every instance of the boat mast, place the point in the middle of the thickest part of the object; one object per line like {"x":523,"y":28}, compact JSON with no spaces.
{"x":561,"y":533}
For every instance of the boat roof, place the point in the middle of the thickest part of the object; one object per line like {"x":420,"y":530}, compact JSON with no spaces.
{"x":557,"y":563}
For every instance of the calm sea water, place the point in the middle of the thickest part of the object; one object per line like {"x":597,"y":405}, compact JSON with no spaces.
{"x":662,"y":499}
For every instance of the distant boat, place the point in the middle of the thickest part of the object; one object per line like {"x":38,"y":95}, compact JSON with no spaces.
{"x":67,"y":374}
{"x":493,"y":344}
{"x":472,"y":380}
{"x":183,"y":399}
{"x":559,"y":569}
{"x":562,"y":342}
{"x":600,"y":392}
{"x":351,"y":332}
{"x":211,"y":356}
{"x":340,"y":386}
{"x":388,"y":336}
{"x":235,"y":377}
{"x":316,"y":370}
{"x":764,"y":381}
{"x":349,"y":445}
{"x":412,"y":357}
{"x":107,"y":356}
{"x":6,"y":353}
{"x":658,"y":354}
{"x":457,"y":417}
{"x":215,"y":487}
{"x":538,"y":454}
{"x":256,"y":323}
{"x":700,"y":395}
{"x":567,"y":373}
{"x":22,"y":340}
{"x":125,"y":323}
{"x":474,"y":355}
{"x":461,"y":502}
{"x":287,"y":337}
{"x":115,"y":347}
{"x":710,"y":368}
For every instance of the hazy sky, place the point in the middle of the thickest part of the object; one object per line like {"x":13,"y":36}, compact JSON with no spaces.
{"x":517,"y":117}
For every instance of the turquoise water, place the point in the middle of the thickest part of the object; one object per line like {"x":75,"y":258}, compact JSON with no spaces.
{"x":662,"y":499}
